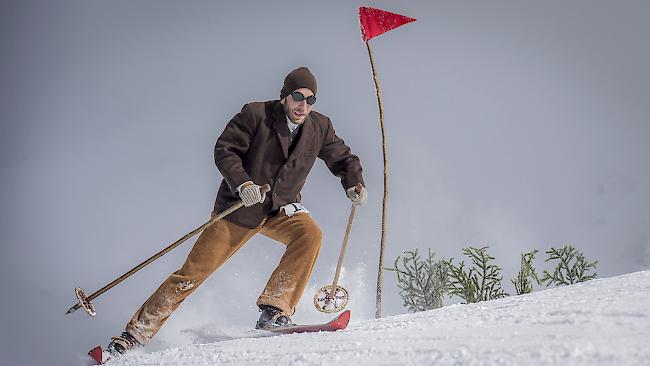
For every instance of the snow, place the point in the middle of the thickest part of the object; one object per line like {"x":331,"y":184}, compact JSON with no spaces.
{"x":600,"y":322}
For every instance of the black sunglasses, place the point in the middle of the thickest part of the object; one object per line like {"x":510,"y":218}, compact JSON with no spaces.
{"x":299,"y":97}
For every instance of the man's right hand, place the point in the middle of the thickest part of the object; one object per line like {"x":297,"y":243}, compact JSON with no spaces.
{"x":357,"y":194}
{"x":251,"y":194}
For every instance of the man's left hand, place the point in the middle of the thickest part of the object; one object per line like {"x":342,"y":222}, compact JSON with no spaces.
{"x":357,"y":194}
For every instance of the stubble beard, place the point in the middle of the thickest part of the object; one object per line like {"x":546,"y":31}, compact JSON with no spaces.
{"x":289,"y":114}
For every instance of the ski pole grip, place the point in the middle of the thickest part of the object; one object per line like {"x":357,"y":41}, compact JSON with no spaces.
{"x":264,"y":190}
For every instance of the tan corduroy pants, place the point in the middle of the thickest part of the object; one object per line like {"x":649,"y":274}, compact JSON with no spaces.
{"x":215,"y":245}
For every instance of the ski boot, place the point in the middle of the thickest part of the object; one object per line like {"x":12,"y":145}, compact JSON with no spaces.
{"x":272,"y":317}
{"x":120,"y":345}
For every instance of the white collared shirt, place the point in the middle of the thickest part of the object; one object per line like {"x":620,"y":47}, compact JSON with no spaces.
{"x":292,"y":126}
{"x":293,"y":129}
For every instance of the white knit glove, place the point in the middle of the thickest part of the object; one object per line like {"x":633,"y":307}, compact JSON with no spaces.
{"x":251,"y":194}
{"x":357,"y":194}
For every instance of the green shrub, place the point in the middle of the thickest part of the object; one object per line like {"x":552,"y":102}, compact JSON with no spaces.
{"x":523,"y":283}
{"x":422,"y":282}
{"x":571,"y":267}
{"x":482,"y":282}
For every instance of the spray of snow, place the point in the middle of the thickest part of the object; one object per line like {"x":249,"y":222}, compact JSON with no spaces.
{"x":354,"y":279}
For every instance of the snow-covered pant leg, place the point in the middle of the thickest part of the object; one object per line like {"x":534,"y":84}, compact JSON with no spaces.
{"x":303,"y":238}
{"x":213,"y":247}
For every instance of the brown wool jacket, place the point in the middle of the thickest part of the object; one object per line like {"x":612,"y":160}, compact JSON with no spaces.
{"x":255,"y":146}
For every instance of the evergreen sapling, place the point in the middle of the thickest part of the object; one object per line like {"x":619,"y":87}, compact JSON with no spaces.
{"x":481,"y":283}
{"x":523,"y":283}
{"x":571,"y":267}
{"x":422,"y":282}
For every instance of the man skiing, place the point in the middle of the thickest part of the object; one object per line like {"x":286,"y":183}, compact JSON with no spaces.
{"x":276,"y":143}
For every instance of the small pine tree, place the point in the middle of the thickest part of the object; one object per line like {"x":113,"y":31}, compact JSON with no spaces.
{"x":460,"y":283}
{"x":481,"y":283}
{"x":523,"y":283}
{"x":571,"y":267}
{"x":422,"y":282}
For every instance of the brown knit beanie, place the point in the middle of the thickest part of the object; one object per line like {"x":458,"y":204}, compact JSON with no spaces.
{"x":298,"y":78}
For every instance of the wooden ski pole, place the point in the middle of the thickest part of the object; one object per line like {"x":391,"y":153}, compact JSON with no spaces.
{"x":85,"y":301}
{"x":344,"y":247}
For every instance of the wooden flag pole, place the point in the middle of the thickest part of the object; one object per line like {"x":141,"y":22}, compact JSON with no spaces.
{"x":385,"y":199}
{"x":374,"y":22}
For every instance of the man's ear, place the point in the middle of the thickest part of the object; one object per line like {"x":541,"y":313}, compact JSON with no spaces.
{"x":282,"y":100}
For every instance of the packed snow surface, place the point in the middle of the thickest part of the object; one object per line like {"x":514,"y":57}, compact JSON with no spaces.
{"x":600,"y":322}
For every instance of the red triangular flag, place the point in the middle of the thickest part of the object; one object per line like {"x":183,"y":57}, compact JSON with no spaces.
{"x":375,"y":22}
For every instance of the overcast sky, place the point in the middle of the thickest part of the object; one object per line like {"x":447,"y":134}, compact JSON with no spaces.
{"x":517,"y":125}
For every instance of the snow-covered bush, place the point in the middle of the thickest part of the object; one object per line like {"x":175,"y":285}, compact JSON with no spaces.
{"x":422,"y":283}
{"x":523,"y":283}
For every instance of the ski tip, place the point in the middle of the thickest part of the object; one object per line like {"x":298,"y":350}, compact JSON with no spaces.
{"x":99,"y":355}
{"x":341,"y":321}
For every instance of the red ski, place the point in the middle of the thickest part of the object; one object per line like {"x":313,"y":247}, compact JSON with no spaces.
{"x":338,"y":323}
{"x":99,"y":355}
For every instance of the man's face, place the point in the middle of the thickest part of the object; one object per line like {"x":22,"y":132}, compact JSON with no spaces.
{"x":297,"y":111}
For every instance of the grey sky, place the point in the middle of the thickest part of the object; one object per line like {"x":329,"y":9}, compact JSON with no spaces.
{"x":512,"y":124}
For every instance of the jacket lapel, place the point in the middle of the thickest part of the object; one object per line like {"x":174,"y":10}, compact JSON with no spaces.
{"x":281,"y":129}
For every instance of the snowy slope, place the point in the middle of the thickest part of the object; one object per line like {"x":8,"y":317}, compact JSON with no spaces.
{"x":601,"y":322}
